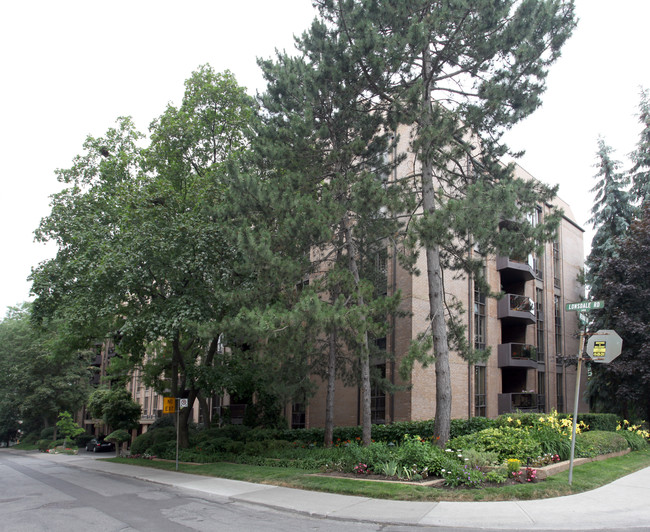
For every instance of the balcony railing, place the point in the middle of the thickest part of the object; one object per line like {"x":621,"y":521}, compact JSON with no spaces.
{"x":516,"y":307}
{"x":521,"y":269}
{"x":517,"y":355}
{"x":518,"y":402}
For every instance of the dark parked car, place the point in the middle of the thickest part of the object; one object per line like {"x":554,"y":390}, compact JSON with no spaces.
{"x":97,"y":446}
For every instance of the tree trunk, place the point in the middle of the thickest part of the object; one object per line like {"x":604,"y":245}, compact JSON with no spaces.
{"x":331,"y":385}
{"x":442,"y":421}
{"x":366,"y":416}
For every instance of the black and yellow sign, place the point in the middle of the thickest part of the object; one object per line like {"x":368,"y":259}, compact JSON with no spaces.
{"x":169,"y":405}
{"x":600,"y":349}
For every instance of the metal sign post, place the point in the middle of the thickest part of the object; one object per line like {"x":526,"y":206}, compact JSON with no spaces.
{"x":602,"y":347}
{"x":575,"y":403}
{"x":178,"y":432}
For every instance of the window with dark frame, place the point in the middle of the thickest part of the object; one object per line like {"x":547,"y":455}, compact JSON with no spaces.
{"x":298,"y":416}
{"x":378,"y":398}
{"x":541,"y":391}
{"x":556,"y":264}
{"x":480,"y":396}
{"x":479,"y":318}
{"x":560,"y":392}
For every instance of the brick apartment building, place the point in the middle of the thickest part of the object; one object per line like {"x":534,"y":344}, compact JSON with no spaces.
{"x":528,"y":331}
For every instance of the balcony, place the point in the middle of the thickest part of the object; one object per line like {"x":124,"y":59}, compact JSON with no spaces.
{"x":517,"y":355}
{"x":97,"y":361}
{"x":518,"y":402}
{"x":516,"y":307}
{"x":516,"y":269}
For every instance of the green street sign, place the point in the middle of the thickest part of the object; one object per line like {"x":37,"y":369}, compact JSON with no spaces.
{"x":585,"y":305}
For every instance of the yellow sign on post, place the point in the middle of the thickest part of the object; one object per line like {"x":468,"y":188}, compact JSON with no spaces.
{"x":169,"y":405}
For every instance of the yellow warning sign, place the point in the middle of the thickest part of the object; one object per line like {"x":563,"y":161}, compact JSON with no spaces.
{"x":169,"y":405}
{"x":600,"y":348}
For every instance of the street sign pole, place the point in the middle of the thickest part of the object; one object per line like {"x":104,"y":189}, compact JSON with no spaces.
{"x":575,"y":403}
{"x":178,"y":432}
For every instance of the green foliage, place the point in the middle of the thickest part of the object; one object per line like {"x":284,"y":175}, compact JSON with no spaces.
{"x":507,"y":442}
{"x":600,"y":421}
{"x":463,"y":475}
{"x":595,"y":443}
{"x":67,"y":427}
{"x":118,"y":436}
{"x":636,"y":442}
{"x":83,"y":439}
{"x":146,"y":442}
{"x":116,"y":407}
{"x":47,"y":433}
{"x":42,"y":372}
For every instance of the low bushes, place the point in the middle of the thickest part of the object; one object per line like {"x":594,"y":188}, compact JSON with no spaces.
{"x":506,"y":442}
{"x":479,"y":451}
{"x":597,"y":442}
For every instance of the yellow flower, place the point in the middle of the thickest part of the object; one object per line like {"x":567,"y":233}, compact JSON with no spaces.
{"x":509,"y":419}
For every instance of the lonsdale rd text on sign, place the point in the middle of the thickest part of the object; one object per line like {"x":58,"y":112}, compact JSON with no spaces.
{"x":585,"y":305}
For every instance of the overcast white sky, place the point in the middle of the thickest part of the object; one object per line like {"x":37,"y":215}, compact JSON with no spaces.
{"x":70,"y":68}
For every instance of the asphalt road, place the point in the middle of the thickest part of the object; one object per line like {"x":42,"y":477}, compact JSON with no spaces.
{"x":66,"y":493}
{"x":39,"y":495}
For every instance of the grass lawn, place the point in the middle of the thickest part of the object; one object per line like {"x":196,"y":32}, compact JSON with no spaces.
{"x":585,"y":477}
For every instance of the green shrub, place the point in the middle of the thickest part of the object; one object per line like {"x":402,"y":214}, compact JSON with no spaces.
{"x":480,"y":459}
{"x":597,"y":442}
{"x":47,"y":433}
{"x":146,"y":442}
{"x":462,"y":427}
{"x":31,"y":438}
{"x":606,"y":422}
{"x":635,"y":441}
{"x":43,"y":445}
{"x":83,"y":439}
{"x":507,"y":442}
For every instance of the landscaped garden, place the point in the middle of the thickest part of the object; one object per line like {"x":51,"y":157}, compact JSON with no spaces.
{"x":507,"y":457}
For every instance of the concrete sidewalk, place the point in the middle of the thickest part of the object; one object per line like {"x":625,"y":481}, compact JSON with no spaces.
{"x":625,"y":503}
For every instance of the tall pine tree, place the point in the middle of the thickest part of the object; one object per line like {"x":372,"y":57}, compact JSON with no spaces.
{"x":458,"y":74}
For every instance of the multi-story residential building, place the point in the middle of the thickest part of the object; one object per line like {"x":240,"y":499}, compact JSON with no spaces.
{"x":528,"y":332}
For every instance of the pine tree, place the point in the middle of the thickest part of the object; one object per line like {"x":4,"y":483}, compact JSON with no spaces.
{"x":458,"y":74}
{"x":329,"y":156}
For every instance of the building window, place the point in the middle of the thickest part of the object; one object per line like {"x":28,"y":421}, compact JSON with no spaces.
{"x":539,"y":326}
{"x":541,"y":391}
{"x":558,"y":324}
{"x":556,"y":264}
{"x":480,"y":396}
{"x":560,"y":392}
{"x":378,"y":397}
{"x":479,"y":318}
{"x":298,"y":416}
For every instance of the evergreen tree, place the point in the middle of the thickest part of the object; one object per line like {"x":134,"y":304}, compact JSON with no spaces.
{"x":327,"y":162}
{"x":612,"y":214}
{"x":458,"y":73}
{"x":641,"y":156}
{"x":623,"y":386}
